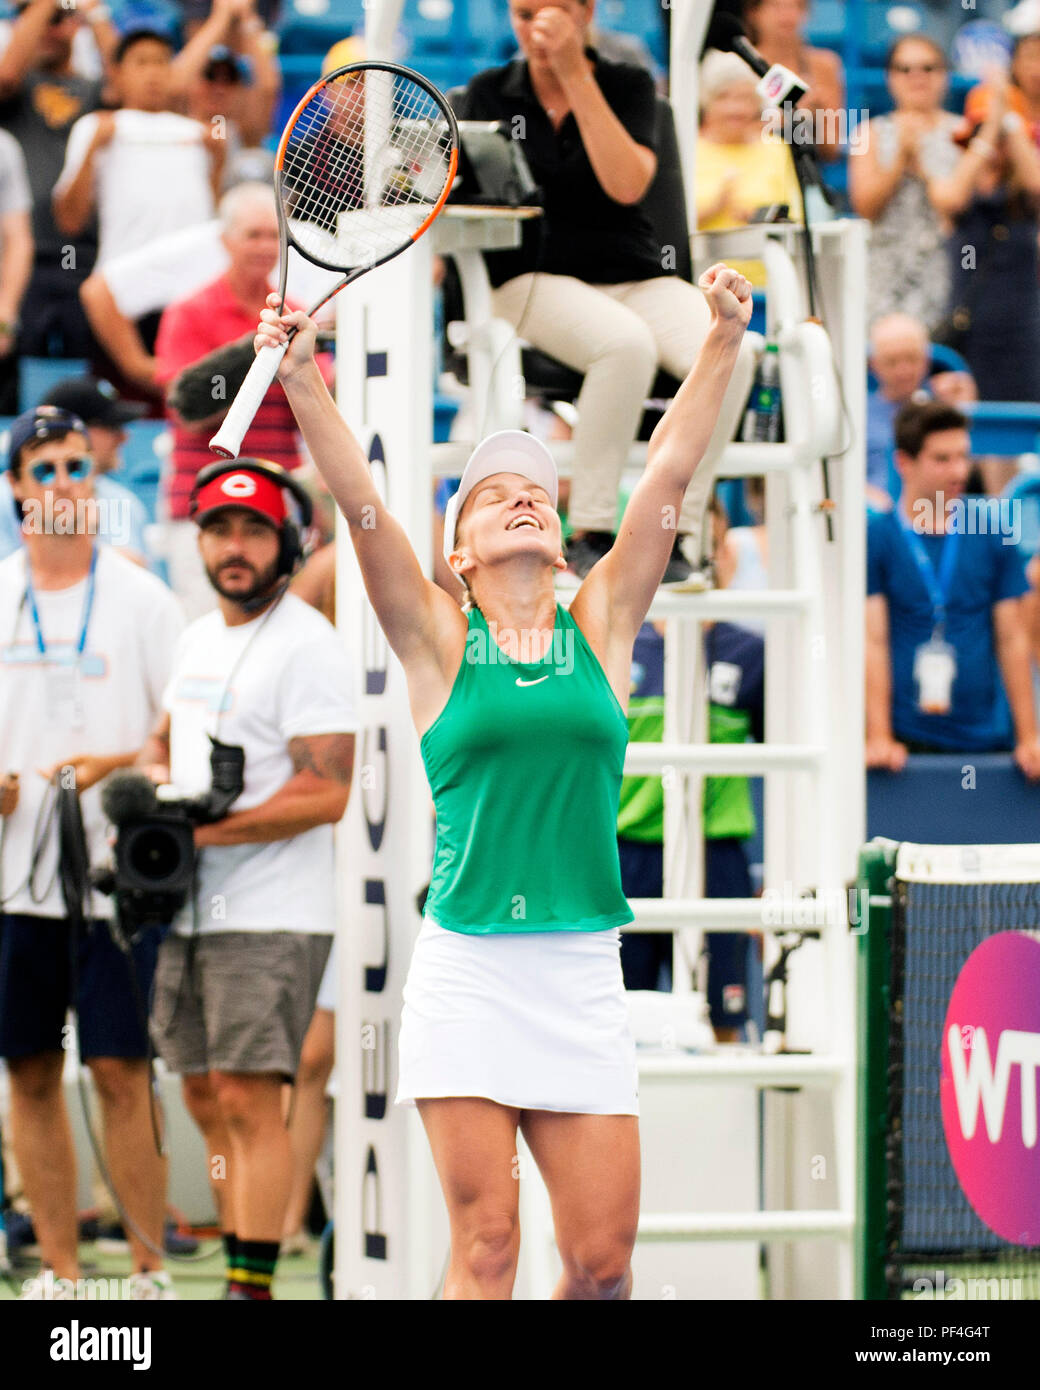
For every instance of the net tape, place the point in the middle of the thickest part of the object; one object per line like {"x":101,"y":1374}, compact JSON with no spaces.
{"x":363,"y":166}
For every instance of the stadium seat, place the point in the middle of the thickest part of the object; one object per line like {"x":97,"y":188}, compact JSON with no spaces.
{"x":886,"y":23}
{"x":827,"y":20}
{"x":435,"y":26}
{"x":1004,"y":428}
{"x":302,"y":28}
{"x":37,"y":375}
{"x":492,"y":32}
{"x":161,"y":15}
{"x":643,"y":19}
{"x":141,"y":464}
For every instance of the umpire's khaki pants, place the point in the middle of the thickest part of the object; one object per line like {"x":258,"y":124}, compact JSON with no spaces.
{"x":619,"y":335}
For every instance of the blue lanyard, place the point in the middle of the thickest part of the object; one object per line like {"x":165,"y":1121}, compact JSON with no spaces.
{"x":938,"y":585}
{"x":88,"y":604}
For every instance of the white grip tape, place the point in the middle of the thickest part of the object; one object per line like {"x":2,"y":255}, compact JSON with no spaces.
{"x":228,"y":439}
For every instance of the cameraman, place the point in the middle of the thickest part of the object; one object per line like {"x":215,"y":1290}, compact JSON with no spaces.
{"x":86,"y":640}
{"x":238,"y":976}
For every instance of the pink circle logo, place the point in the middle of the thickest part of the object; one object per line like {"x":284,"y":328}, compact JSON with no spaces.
{"x":990,"y":1060}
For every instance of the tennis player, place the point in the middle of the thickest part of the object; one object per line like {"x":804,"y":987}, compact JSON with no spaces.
{"x":514,"y":1009}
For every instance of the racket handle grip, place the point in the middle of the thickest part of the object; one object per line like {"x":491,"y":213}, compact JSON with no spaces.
{"x":228,"y":439}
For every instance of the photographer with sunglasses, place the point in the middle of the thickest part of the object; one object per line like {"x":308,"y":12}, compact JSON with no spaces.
{"x":86,"y":646}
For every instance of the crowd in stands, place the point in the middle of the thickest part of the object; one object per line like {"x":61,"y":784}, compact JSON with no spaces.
{"x":138,"y":234}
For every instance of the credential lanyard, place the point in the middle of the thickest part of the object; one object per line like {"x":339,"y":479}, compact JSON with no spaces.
{"x":938,"y":584}
{"x":88,"y":604}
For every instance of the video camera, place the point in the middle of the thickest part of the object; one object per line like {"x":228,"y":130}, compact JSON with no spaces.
{"x":154,"y":864}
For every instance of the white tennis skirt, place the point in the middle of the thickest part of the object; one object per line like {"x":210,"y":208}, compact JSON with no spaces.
{"x":536,"y":1020}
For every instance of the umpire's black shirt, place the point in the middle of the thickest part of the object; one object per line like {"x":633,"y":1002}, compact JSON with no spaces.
{"x":583,"y":232}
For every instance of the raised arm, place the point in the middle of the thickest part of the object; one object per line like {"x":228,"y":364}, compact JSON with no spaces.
{"x":872,"y":185}
{"x":412,"y":611}
{"x":621,"y":587}
{"x":116,"y":333}
{"x":190,"y":63}
{"x":74,"y":195}
{"x":260,"y":98}
{"x":23,"y":46}
{"x":624,"y":168}
{"x":16,"y":261}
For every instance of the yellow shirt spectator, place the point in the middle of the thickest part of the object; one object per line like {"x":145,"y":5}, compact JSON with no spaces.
{"x":739,"y":166}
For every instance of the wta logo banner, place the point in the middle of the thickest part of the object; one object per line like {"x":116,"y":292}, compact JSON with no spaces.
{"x":990,"y":1057}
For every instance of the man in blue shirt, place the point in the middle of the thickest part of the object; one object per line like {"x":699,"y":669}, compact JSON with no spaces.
{"x":944,"y":580}
{"x":122,"y":519}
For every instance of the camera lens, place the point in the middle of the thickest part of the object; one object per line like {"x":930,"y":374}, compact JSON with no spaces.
{"x":155,"y":854}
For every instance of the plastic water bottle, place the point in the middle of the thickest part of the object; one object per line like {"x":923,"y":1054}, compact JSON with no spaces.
{"x":763,"y":420}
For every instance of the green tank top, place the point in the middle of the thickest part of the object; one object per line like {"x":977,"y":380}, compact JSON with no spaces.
{"x":525,"y":764}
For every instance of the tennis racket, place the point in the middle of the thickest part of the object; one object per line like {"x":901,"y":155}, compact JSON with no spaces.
{"x":363,"y":167}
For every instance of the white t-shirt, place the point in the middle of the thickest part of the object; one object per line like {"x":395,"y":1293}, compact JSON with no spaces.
{"x":289,"y":677}
{"x":152,"y":177}
{"x":131,"y":636}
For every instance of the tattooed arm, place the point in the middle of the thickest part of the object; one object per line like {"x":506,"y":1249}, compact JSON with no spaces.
{"x":316,"y":794}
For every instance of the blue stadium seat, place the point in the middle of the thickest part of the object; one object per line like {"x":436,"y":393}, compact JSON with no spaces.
{"x":300,"y":30}
{"x":37,"y":375}
{"x":162,"y":15}
{"x":491,"y":31}
{"x":141,"y":464}
{"x":436,"y":26}
{"x":881,"y":33}
{"x":826,"y":28}
{"x":644,"y":19}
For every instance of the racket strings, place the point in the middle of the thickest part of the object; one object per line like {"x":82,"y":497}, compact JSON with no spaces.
{"x":363,"y":166}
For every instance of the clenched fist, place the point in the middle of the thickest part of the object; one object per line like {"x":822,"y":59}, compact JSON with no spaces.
{"x":728,"y":295}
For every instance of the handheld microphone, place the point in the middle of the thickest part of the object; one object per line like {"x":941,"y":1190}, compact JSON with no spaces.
{"x":779,"y":85}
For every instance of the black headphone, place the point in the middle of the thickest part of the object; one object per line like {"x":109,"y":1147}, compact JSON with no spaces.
{"x":290,"y":551}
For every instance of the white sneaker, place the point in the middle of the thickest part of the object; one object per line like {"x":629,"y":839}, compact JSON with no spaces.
{"x":44,"y":1286}
{"x":151,"y":1284}
{"x":297,"y":1244}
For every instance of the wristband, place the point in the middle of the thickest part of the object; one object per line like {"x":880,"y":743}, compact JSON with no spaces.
{"x":1012,"y":121}
{"x":982,"y":146}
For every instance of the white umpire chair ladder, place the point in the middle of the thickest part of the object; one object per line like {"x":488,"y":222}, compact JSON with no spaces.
{"x":812,"y":759}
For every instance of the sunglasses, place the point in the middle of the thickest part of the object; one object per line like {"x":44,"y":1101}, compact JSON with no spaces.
{"x":905,"y":69}
{"x":75,"y":470}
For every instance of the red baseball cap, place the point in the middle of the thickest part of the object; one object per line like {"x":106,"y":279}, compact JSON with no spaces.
{"x":252,"y":491}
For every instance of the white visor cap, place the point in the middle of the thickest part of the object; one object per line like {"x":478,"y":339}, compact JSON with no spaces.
{"x":508,"y":451}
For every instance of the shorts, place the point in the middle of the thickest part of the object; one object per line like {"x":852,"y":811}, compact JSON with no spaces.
{"x":532,"y":1020}
{"x":37,"y":988}
{"x":236,"y":1001}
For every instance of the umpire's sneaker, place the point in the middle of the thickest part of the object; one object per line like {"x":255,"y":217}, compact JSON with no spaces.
{"x":584,"y":551}
{"x":151,"y":1284}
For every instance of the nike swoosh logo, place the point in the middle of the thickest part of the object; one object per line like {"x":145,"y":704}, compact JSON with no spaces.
{"x":536,"y":682}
